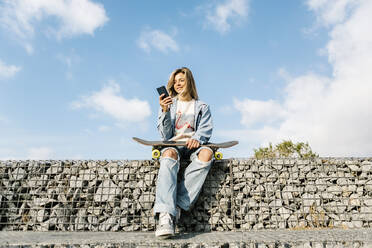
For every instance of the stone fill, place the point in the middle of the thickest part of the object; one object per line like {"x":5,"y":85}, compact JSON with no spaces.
{"x":239,"y":195}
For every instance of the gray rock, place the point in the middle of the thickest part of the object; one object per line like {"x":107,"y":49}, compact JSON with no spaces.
{"x":249,"y":175}
{"x":367,"y":201}
{"x":311,"y":188}
{"x":136,"y":193}
{"x":284,"y":213}
{"x":76,"y":182}
{"x":240,"y":196}
{"x":354,"y":167}
{"x":327,"y":195}
{"x":106,"y":191}
{"x":276,"y":203}
{"x":336,"y":207}
{"x":54,"y":169}
{"x":258,"y":226}
{"x":367,"y":166}
{"x":92,"y":220}
{"x":18,"y":174}
{"x":246,"y":190}
{"x":127,"y":193}
{"x":239,"y":175}
{"x":336,"y":190}
{"x":81,"y":223}
{"x":224,"y":204}
{"x":95,"y":210}
{"x":125,"y":203}
{"x":354,"y":200}
{"x":287,"y":192}
{"x":366,"y":213}
{"x":41,"y":215}
{"x":251,"y":218}
{"x":62,"y":198}
{"x":368,"y":186}
{"x":239,"y":186}
{"x":215,"y":218}
{"x":108,"y":224}
{"x":146,"y":201}
{"x":141,"y":184}
{"x":87,"y":175}
{"x":40,"y":202}
{"x":150,"y":179}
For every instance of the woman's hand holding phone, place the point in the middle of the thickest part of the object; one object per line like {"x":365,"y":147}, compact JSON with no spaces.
{"x":165,"y":102}
{"x":164,"y":99}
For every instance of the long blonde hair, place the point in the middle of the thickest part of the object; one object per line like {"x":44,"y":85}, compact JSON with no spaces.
{"x":190,"y":83}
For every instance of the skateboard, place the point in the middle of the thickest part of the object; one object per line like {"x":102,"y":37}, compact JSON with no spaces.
{"x":158,"y":145}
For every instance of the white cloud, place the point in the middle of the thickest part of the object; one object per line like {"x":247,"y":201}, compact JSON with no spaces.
{"x":157,"y":39}
{"x":223,"y":15}
{"x":331,"y":12}
{"x":332,"y":113}
{"x":74,"y":17}
{"x":108,"y":101}
{"x":8,"y":71}
{"x":40,"y":153}
{"x":254,"y":111}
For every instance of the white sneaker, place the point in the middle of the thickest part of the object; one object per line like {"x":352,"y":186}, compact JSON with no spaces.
{"x":165,"y":229}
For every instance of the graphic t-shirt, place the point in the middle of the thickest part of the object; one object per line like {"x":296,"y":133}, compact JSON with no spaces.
{"x":185,"y":115}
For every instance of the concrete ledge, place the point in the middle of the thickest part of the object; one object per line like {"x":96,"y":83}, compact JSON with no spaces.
{"x":281,"y":238}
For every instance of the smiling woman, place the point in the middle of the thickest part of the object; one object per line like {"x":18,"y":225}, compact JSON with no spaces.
{"x":182,"y":117}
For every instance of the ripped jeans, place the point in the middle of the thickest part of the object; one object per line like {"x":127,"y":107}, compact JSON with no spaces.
{"x":169,"y":193}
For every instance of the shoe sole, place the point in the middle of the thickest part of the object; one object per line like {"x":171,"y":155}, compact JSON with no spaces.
{"x":166,"y":236}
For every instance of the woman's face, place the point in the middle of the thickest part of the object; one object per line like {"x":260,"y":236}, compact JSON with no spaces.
{"x":179,"y":83}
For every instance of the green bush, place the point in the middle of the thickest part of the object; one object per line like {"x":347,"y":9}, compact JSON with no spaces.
{"x":286,"y":149}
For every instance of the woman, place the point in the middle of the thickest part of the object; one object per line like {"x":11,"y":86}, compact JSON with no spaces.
{"x":182,"y":117}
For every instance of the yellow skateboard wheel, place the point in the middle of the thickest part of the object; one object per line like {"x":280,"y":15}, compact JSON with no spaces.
{"x":155,"y":154}
{"x":218,"y":155}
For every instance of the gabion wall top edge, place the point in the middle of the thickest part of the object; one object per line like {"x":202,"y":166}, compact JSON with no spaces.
{"x":223,"y":160}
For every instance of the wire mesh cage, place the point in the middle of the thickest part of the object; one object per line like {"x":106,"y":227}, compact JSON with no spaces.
{"x":237,"y":195}
{"x":319,"y":193}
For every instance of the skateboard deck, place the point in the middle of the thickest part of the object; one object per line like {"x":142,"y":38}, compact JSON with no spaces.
{"x":158,"y":145}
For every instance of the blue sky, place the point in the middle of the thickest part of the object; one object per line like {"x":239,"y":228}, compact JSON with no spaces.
{"x":78,"y":78}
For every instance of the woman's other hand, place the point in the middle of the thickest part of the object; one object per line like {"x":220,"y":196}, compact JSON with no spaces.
{"x":165,"y":102}
{"x":191,"y":144}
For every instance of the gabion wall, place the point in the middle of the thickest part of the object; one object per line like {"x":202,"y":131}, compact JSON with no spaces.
{"x":237,"y":195}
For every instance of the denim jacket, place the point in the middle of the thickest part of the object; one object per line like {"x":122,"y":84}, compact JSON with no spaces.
{"x":203,"y":122}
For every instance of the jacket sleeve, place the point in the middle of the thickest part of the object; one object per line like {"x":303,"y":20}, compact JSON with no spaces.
{"x":164,"y":125}
{"x":204,"y":125}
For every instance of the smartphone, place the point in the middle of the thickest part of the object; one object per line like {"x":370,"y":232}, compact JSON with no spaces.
{"x":162,"y":90}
